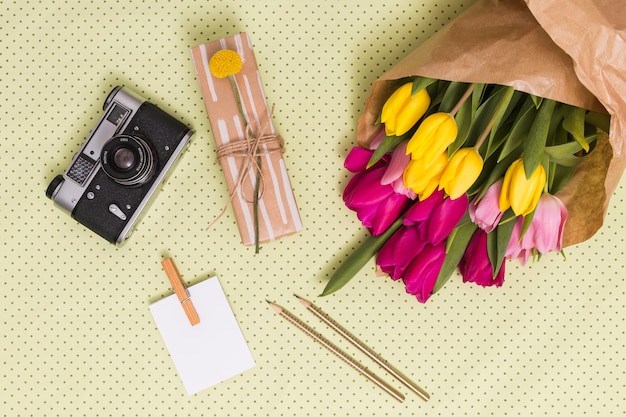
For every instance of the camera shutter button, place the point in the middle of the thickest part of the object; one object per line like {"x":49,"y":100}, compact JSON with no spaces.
{"x":117,"y":212}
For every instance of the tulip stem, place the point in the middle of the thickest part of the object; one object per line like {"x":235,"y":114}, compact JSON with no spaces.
{"x":485,"y":133}
{"x":463,"y":98}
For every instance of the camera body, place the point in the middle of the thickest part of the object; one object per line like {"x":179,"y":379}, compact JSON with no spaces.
{"x":119,"y":169}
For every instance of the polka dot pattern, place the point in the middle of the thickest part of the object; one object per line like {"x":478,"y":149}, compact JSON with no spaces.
{"x":76,"y":336}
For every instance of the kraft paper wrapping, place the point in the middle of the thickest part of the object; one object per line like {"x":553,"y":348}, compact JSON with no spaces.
{"x":569,"y":51}
{"x":277,"y":209}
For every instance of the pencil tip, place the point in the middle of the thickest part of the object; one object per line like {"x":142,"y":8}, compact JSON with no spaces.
{"x":268,"y":301}
{"x":297,"y":296}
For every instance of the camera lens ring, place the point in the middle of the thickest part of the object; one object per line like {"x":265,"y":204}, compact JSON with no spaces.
{"x":128,"y":160}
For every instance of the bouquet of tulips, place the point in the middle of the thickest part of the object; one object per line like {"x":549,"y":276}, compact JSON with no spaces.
{"x":465,"y":175}
{"x":468,"y":174}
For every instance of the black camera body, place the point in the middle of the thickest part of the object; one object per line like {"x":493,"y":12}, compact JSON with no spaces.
{"x":119,"y":169}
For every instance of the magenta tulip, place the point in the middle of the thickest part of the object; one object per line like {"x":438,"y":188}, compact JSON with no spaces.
{"x":436,"y":216}
{"x":421,"y":275}
{"x":377,"y":205}
{"x":445,"y":217}
{"x":357,"y":159}
{"x":475,"y":265}
{"x":422,"y":210}
{"x":398,"y":252}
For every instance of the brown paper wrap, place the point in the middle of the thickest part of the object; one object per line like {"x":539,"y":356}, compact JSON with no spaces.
{"x":569,"y":51}
{"x":277,"y":210}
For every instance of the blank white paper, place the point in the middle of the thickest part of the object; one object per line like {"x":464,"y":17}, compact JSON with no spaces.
{"x":209,"y":352}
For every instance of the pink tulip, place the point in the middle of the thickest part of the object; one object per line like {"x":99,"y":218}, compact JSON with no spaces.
{"x":395,"y":170}
{"x":486,"y":212}
{"x":545,"y":233}
{"x":397,"y":163}
{"x":475,"y":265}
{"x":421,"y":275}
{"x":520,"y":247}
{"x":550,"y":216}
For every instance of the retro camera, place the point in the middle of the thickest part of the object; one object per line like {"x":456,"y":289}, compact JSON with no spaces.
{"x":118,"y":170}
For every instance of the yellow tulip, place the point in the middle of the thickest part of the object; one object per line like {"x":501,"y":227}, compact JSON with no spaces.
{"x":520,"y":193}
{"x":402,"y":110}
{"x":461,"y":172}
{"x":432,"y":137}
{"x":424,"y":180}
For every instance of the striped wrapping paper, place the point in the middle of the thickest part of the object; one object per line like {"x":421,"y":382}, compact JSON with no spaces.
{"x":277,"y":211}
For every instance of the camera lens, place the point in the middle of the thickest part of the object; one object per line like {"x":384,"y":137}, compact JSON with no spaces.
{"x":124,"y":159}
{"x":129,"y":160}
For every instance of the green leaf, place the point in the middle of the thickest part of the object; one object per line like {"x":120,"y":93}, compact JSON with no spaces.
{"x":498,"y":241}
{"x":457,"y":243}
{"x":419,"y":83}
{"x":492,"y":171}
{"x":477,"y":97}
{"x":519,"y":130}
{"x":565,"y":154}
{"x":485,"y":113}
{"x":534,"y":145}
{"x":452,"y":96}
{"x":358,"y":259}
{"x":574,"y":123}
{"x":503,"y":104}
{"x":464,"y":122}
{"x":600,"y":120}
{"x":388,"y":144}
{"x":536,"y":100}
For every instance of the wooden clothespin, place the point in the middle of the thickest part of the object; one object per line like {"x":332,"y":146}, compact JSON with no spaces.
{"x":181,"y":292}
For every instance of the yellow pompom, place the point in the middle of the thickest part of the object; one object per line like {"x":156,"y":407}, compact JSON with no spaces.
{"x":224,"y":63}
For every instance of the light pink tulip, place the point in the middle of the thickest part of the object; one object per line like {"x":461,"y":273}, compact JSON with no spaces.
{"x":549,"y":218}
{"x":486,"y":212}
{"x":545,"y":233}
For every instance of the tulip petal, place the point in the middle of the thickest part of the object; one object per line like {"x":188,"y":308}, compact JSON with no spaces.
{"x":461,"y":172}
{"x":445,"y":217}
{"x":422,"y":273}
{"x":549,"y":219}
{"x":385,"y":258}
{"x":399,"y":161}
{"x":408,"y":246}
{"x":347,"y":192}
{"x":388,"y":212}
{"x":423,"y":209}
{"x":357,"y":159}
{"x":486,"y":213}
{"x":369,"y":191}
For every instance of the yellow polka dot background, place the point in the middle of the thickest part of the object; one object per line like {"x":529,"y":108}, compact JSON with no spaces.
{"x":76,"y":334}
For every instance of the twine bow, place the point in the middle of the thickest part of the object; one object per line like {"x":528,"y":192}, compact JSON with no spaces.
{"x":256,"y":143}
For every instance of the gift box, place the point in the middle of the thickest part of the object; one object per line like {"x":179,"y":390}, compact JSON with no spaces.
{"x":568,"y":51}
{"x":249,"y":148}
